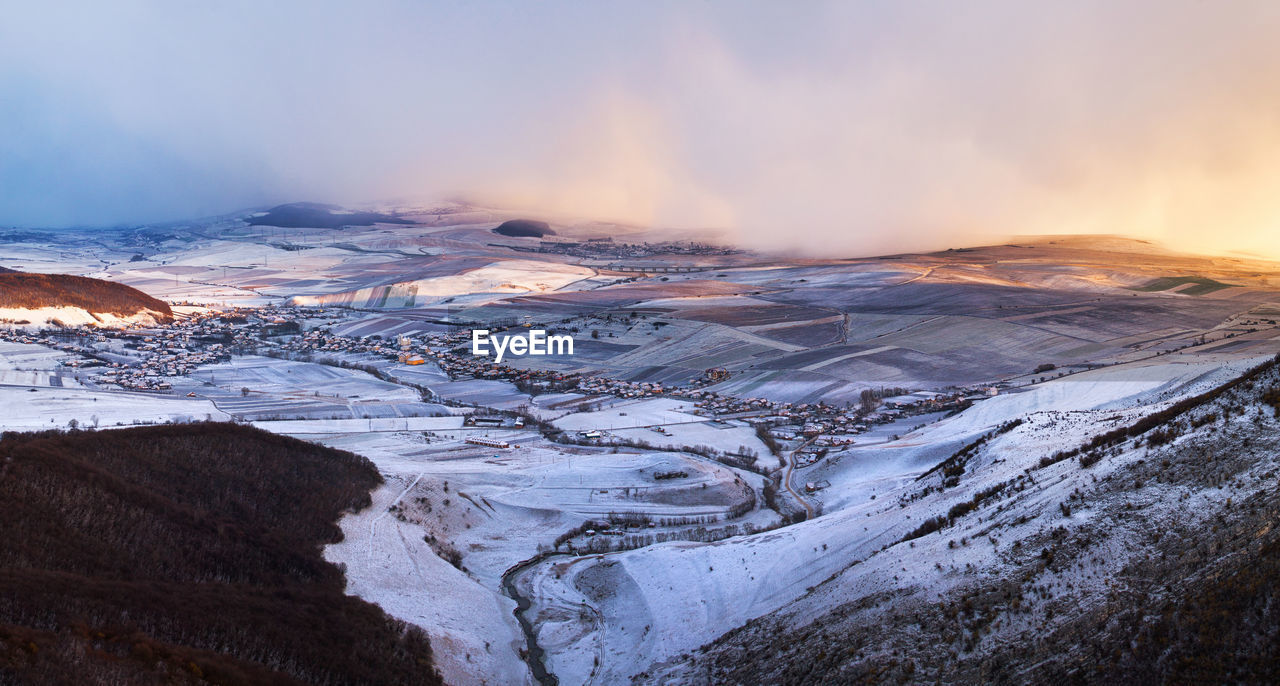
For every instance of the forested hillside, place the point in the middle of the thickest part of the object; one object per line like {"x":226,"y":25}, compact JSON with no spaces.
{"x":187,"y":554}
{"x":33,"y":291}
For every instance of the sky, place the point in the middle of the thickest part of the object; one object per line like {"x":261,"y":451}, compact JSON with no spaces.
{"x":845,"y":127}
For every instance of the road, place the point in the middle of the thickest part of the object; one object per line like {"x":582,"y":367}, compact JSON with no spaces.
{"x":786,"y":479}
{"x":928,"y":271}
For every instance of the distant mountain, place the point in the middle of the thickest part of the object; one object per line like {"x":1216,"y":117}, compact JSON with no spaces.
{"x":524,"y":228}
{"x":69,"y":300}
{"x":319,"y":216}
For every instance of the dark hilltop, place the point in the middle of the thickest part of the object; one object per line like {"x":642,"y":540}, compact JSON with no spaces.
{"x":312,"y":215}
{"x":524,"y":228}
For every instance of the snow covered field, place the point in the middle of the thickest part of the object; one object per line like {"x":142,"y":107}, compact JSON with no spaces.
{"x":23,"y":364}
{"x":266,"y":388}
{"x":505,"y":277}
{"x":33,"y":408}
{"x":624,"y":414}
{"x":306,"y":427}
{"x":474,"y":635}
{"x":28,"y":356}
{"x":287,"y":378}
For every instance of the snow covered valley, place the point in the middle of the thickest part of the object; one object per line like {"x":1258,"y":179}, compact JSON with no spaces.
{"x":685,"y":610}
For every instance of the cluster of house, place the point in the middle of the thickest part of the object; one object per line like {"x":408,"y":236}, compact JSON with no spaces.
{"x":174,"y":350}
{"x":320,"y":340}
{"x":146,"y":356}
{"x":142,"y":358}
{"x":608,"y":248}
{"x":175,"y":354}
{"x":160,"y":353}
{"x":820,"y":425}
{"x":617,"y":387}
{"x":495,"y":422}
{"x":20,"y":335}
{"x":133,"y":379}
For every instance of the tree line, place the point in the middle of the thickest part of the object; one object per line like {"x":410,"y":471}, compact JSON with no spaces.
{"x":33,"y":291}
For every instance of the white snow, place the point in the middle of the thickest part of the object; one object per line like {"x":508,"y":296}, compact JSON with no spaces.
{"x":73,"y":316}
{"x":475,"y":638}
{"x":29,"y":408}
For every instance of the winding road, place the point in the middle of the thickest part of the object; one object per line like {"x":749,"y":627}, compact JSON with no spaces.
{"x":786,"y":479}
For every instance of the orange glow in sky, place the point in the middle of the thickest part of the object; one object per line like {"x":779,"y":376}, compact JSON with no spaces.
{"x":846,"y":127}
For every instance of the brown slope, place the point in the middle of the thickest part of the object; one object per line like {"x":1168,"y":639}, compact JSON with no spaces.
{"x":187,"y":554}
{"x":33,"y":291}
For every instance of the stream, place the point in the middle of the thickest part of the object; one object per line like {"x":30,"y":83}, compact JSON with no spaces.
{"x":535,"y":656}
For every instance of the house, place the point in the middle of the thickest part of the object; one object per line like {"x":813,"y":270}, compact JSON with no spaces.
{"x":488,"y":442}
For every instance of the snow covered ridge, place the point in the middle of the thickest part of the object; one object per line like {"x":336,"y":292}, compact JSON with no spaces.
{"x":76,"y":316}
{"x":1147,"y":555}
{"x":69,"y":300}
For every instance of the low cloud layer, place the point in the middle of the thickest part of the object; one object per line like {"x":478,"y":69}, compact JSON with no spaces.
{"x":850,"y":127}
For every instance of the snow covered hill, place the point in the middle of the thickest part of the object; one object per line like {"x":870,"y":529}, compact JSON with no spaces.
{"x":65,"y":300}
{"x":1147,"y":555}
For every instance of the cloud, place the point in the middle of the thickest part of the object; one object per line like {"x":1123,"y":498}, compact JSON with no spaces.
{"x":852,"y":127}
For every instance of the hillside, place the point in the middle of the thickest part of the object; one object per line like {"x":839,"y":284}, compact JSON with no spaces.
{"x":524,"y":228}
{"x":1146,"y":554}
{"x":317,"y":216}
{"x":45,"y":292}
{"x":187,"y":554}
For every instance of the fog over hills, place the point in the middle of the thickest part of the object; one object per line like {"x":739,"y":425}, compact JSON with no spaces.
{"x":847,"y":127}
